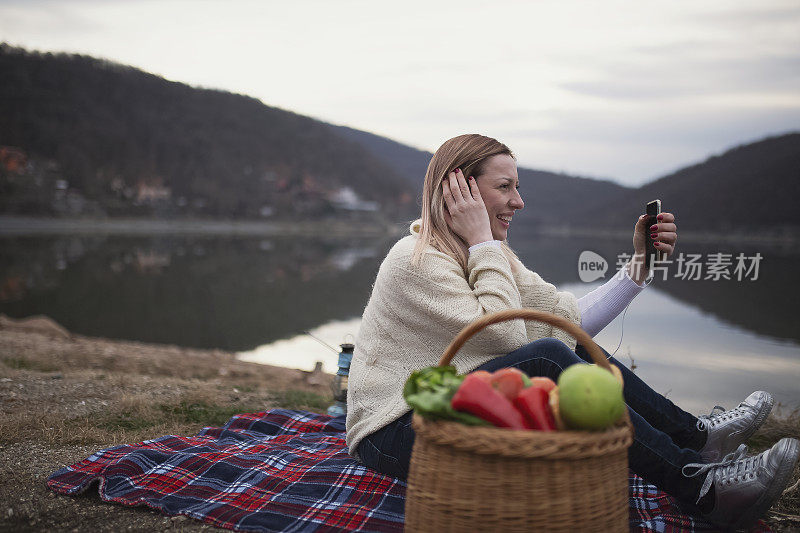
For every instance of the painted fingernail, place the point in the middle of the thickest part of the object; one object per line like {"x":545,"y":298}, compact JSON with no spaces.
{"x":660,"y":217}
{"x":457,"y":170}
{"x":656,"y":244}
{"x":653,"y":227}
{"x":653,"y":235}
{"x":472,"y":178}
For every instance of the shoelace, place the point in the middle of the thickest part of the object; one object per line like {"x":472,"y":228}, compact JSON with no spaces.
{"x":705,"y":422}
{"x":734,"y":467}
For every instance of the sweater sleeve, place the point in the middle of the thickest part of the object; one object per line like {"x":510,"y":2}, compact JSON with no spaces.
{"x":538,"y":294}
{"x":438,"y":301}
{"x":495,"y":243}
{"x":606,"y":302}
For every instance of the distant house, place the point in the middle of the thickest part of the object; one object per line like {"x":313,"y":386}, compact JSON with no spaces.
{"x":347,"y":199}
{"x":151,"y":261}
{"x":117,"y":185}
{"x":13,"y":159}
{"x":151,"y":191}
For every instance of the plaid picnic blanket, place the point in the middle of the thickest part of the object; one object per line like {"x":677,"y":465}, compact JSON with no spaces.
{"x":282,"y":470}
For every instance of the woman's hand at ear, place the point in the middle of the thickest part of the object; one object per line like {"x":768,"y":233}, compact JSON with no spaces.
{"x":466,"y":214}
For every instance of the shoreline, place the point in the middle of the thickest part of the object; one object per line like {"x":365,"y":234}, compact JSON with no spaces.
{"x":768,"y":238}
{"x":20,"y":226}
{"x":33,"y":226}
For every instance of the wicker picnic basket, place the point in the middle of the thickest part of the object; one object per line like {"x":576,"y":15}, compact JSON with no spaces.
{"x":467,"y":478}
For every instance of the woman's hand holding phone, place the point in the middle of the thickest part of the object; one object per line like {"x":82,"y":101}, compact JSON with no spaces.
{"x":465,"y":214}
{"x":664,"y":233}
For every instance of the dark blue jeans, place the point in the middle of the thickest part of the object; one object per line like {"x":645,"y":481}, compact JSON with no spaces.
{"x":666,"y":437}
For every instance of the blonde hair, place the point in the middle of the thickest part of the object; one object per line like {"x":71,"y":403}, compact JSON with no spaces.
{"x":469,"y":153}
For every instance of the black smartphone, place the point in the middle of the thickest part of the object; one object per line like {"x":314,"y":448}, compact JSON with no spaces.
{"x":653,"y":210}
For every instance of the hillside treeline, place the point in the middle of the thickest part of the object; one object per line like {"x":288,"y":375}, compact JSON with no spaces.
{"x":752,"y":187}
{"x":80,"y":135}
{"x":135,"y":143}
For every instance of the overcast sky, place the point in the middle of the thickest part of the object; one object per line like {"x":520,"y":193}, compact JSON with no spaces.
{"x":622,"y":90}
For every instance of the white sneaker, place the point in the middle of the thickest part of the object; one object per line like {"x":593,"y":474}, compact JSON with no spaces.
{"x":746,"y":487}
{"x":728,"y":429}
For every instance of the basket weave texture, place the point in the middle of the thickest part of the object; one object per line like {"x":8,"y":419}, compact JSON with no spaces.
{"x":466,"y":478}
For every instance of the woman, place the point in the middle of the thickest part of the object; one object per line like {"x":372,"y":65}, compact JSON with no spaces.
{"x":456,"y":266}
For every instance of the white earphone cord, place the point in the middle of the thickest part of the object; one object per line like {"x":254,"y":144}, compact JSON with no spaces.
{"x":648,"y":281}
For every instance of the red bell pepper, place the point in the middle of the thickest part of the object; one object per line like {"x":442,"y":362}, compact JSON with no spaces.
{"x":477,"y":397}
{"x":508,"y":381}
{"x":483,"y":374}
{"x":533,"y":403}
{"x":543,"y":383}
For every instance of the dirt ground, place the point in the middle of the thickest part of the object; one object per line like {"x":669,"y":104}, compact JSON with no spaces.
{"x":64,"y":398}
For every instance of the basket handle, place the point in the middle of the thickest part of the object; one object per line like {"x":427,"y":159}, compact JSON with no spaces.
{"x":528,"y":314}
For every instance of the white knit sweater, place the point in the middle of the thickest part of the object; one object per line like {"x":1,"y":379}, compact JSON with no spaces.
{"x":415,"y":311}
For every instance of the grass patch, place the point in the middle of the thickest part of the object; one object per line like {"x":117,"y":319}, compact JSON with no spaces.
{"x":204,"y":413}
{"x":777,"y":426}
{"x":785,"y":514}
{"x":301,"y":400}
{"x":185,"y":412}
{"x":137,"y":413}
{"x":20,"y":363}
{"x":126,"y":422}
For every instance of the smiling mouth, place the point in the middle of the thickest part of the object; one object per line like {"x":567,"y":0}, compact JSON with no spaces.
{"x":504,"y":220}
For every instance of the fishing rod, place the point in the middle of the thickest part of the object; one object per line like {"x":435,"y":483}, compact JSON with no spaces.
{"x":321,"y":341}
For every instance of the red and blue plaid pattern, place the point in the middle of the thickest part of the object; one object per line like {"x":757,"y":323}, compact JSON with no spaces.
{"x":276,"y":471}
{"x":281,"y":470}
{"x":652,"y":510}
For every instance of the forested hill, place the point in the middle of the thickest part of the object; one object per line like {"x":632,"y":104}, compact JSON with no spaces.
{"x":128,"y":142}
{"x":410,"y":163}
{"x":752,"y":187}
{"x":748,"y":188}
{"x":95,"y":137}
{"x":551,"y":199}
{"x":83,"y":136}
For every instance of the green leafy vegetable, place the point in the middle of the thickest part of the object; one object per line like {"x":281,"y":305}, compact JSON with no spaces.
{"x":430,"y":390}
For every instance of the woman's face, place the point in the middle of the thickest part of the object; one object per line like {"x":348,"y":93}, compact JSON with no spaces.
{"x":498,"y":183}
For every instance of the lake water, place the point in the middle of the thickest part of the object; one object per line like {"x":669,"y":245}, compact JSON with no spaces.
{"x":701,"y":342}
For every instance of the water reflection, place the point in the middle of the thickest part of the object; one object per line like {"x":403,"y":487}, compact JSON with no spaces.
{"x":303,"y":351}
{"x":239,"y":293}
{"x":693,"y":357}
{"x":765,"y":306}
{"x":226,"y":293}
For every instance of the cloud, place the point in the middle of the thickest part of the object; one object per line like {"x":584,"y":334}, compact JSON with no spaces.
{"x":676,"y":80}
{"x":632,"y":148}
{"x":749,"y":17}
{"x":653,"y":126}
{"x":615,"y":89}
{"x":713,"y":48}
{"x":38,"y":20}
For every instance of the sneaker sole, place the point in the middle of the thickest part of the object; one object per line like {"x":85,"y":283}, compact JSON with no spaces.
{"x":761,"y":416}
{"x":779,"y":482}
